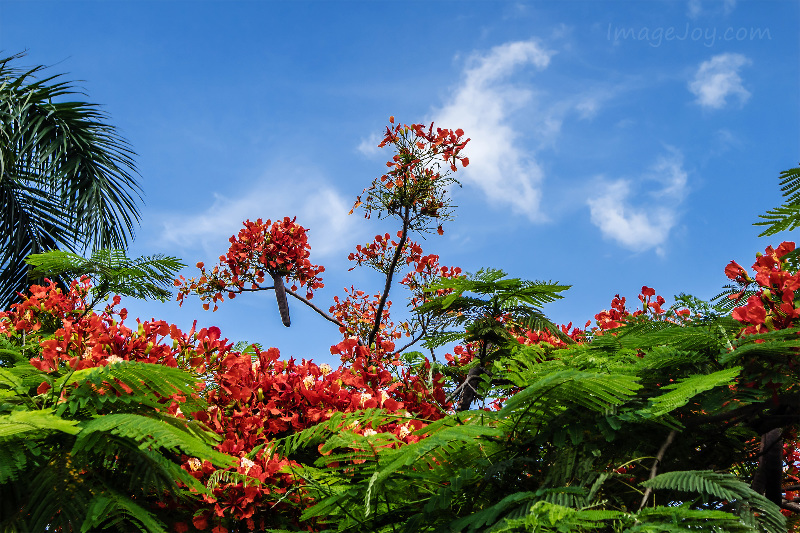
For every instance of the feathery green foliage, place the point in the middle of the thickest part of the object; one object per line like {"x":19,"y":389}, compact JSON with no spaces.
{"x":787,"y":216}
{"x":476,"y":301}
{"x":574,"y":447}
{"x":96,"y":446}
{"x":111,"y":272}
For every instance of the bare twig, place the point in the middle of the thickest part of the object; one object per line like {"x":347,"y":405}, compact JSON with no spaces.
{"x":315,"y":308}
{"x":654,"y":468}
{"x":413,"y":342}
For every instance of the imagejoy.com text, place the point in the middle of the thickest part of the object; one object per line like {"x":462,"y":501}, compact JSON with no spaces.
{"x":708,"y":36}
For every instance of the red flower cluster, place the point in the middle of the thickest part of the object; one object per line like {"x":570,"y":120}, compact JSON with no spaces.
{"x":85,"y":340}
{"x":620,"y":315}
{"x":529,"y":337}
{"x":357,"y":312}
{"x":415,"y":180}
{"x":261,"y":248}
{"x":774,"y":306}
{"x":262,"y":398}
{"x":252,"y":400}
{"x":46,"y":305}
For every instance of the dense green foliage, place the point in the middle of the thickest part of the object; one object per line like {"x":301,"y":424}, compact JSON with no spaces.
{"x":92,"y":460}
{"x":643,"y":430}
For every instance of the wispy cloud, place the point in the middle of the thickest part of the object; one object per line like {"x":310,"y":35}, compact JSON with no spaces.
{"x":369,"y":145}
{"x":482,"y":105}
{"x":317,"y":206}
{"x":695,"y":8}
{"x":718,"y":78}
{"x":645,"y":223}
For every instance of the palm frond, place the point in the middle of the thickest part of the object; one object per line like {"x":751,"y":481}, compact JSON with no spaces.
{"x":68,"y":178}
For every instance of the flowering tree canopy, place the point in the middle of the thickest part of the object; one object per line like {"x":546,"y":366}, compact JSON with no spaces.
{"x":680,"y":418}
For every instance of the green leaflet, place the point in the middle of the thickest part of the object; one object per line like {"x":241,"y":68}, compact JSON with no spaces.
{"x":149,"y":432}
{"x":687,"y":388}
{"x":18,"y":422}
{"x":724,"y":487}
{"x":148,"y":384}
{"x":564,"y":387}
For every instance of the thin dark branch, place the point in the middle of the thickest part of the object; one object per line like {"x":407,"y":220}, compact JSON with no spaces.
{"x":455,"y":393}
{"x":255,"y":289}
{"x":325,"y":315}
{"x":315,"y":308}
{"x":654,"y":468}
{"x":413,"y":342}
{"x":389,"y":275}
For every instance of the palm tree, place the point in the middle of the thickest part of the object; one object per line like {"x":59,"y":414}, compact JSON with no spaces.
{"x":67,"y":178}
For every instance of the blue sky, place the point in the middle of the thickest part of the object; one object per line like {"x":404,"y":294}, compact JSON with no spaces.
{"x":615,"y":144}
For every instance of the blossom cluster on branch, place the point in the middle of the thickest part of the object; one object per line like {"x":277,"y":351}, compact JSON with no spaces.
{"x":260,"y":250}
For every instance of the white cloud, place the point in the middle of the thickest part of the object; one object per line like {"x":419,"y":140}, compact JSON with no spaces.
{"x":369,"y":146}
{"x":718,"y":78}
{"x":641,"y":225}
{"x":587,"y":107}
{"x":317,"y":206}
{"x":482,"y":106}
{"x":694,"y":8}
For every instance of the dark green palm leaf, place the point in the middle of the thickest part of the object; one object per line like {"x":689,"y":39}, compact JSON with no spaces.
{"x":67,"y":177}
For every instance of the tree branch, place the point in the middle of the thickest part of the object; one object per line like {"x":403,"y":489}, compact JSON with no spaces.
{"x":790,"y":506}
{"x":389,"y":275}
{"x":468,"y":391}
{"x":413,"y":341}
{"x":654,"y":468}
{"x":767,"y":479}
{"x":315,"y":308}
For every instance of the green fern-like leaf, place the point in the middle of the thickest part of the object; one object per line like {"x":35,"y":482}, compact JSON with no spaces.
{"x":598,"y":392}
{"x":663,"y":519}
{"x":752,"y":506}
{"x":111,"y":509}
{"x":19,"y":422}
{"x":787,"y":216}
{"x":148,"y":433}
{"x":146,"y":277}
{"x":686,"y":389}
{"x":147,"y":384}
